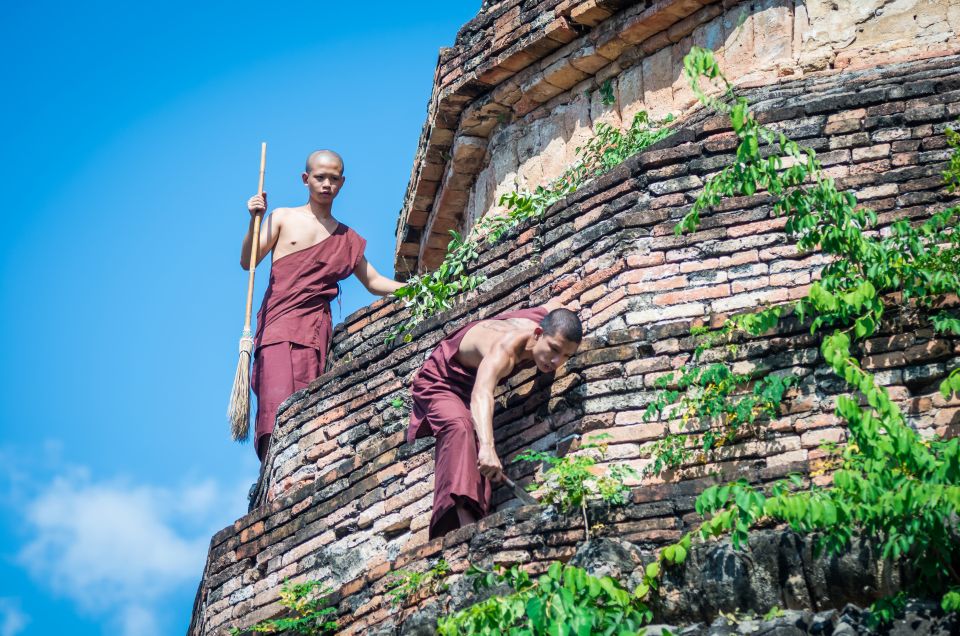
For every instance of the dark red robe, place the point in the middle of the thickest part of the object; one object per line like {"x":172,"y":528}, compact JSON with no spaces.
{"x":441,"y":407}
{"x":294,"y":324}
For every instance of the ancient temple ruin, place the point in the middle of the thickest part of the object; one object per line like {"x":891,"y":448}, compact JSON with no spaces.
{"x":870,"y":85}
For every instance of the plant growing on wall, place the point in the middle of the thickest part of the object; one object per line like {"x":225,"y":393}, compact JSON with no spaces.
{"x":711,"y":396}
{"x":403,"y":584}
{"x":402,"y":402}
{"x":308,"y":609}
{"x":891,"y":485}
{"x":428,"y":294}
{"x":564,"y":600}
{"x":572,"y":481}
{"x":607,"y":98}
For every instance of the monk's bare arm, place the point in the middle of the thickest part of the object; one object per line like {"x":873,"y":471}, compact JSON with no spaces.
{"x":496,"y":364}
{"x":375,"y":282}
{"x":269,"y":233}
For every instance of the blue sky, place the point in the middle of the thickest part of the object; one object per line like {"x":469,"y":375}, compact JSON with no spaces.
{"x":131,"y":136}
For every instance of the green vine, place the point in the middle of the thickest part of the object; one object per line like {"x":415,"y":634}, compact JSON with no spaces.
{"x":890,"y":485}
{"x":403,"y":584}
{"x":428,"y":294}
{"x":713,"y":396}
{"x":566,"y":600}
{"x":307,"y":602}
{"x":573,"y":480}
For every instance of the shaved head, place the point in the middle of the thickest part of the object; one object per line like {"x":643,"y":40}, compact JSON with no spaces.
{"x":318,"y":155}
{"x":563,"y":322}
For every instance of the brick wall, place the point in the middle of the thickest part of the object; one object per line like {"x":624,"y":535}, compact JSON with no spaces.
{"x":343,"y":498}
{"x":518,"y":92}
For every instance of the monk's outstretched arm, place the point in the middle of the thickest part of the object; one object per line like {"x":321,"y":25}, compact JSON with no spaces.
{"x":375,"y":282}
{"x":494,"y":366}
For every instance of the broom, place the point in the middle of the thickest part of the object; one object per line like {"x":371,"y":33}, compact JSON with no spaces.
{"x":238,"y":412}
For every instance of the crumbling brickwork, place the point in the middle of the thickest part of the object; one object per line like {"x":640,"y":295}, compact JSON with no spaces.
{"x":520,"y":89}
{"x":343,"y":498}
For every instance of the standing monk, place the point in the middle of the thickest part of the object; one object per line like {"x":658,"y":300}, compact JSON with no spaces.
{"x":312,"y":252}
{"x":453,"y":401}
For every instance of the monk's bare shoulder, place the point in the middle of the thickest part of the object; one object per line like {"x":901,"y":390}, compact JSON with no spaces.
{"x":488,"y":332}
{"x":505,"y":326}
{"x":278,"y":215}
{"x":489,"y":337}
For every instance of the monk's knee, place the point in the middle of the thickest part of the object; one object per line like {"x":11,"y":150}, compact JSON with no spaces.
{"x":458,"y":429}
{"x":465,"y":426}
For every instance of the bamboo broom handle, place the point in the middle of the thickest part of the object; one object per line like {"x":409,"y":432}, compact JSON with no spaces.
{"x":255,"y":246}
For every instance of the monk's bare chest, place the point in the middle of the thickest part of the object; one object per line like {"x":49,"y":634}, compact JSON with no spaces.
{"x":299,"y":233}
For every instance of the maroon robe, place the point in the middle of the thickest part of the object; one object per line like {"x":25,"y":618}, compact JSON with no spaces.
{"x":294,"y":324}
{"x":441,"y":407}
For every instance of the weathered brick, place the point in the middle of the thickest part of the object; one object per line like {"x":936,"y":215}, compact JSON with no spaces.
{"x":842,"y":126}
{"x":884,"y":360}
{"x":870,"y":153}
{"x":878,"y":192}
{"x":646,"y":365}
{"x":749,"y":284}
{"x":676,"y":185}
{"x":695,"y":293}
{"x":754,"y":299}
{"x":665,"y":313}
{"x":644,"y":260}
{"x":822,"y":436}
{"x":601,"y":356}
{"x":850,"y":141}
{"x":757,"y":228}
{"x":647,"y":274}
{"x":890,"y":134}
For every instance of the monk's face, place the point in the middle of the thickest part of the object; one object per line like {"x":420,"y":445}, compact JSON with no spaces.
{"x":550,"y":351}
{"x":324,"y":179}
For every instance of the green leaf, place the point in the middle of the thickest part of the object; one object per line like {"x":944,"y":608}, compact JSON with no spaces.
{"x":681,"y":554}
{"x":951,"y":601}
{"x":653,"y":570}
{"x":669,"y":553}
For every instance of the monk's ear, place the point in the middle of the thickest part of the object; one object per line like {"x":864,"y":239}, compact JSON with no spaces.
{"x":304,"y":177}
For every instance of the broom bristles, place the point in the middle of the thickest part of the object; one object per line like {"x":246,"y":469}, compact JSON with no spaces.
{"x":238,"y":411}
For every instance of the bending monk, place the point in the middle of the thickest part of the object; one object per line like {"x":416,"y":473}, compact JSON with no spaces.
{"x":312,"y":252}
{"x":453,"y":401}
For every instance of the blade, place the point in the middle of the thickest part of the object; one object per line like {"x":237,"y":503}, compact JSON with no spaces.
{"x":521,"y":494}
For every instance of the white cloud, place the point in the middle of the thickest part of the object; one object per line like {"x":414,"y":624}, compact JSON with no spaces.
{"x":100,"y":544}
{"x":119,"y":549}
{"x":136,"y":620}
{"x":12,"y":619}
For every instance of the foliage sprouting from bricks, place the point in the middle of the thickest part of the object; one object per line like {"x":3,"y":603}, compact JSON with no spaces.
{"x":310,"y":614}
{"x":404,"y":584}
{"x":428,"y":294}
{"x":564,"y":600}
{"x":573,"y":480}
{"x":891,"y":485}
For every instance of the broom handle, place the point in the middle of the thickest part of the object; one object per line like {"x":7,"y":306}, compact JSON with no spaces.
{"x":255,"y":246}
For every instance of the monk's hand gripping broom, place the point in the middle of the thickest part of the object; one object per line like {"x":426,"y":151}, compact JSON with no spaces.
{"x":238,"y":412}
